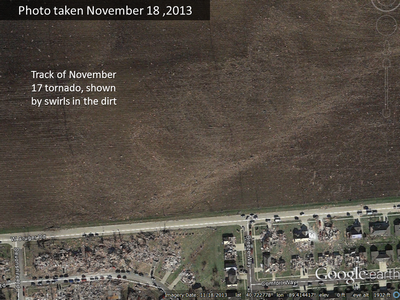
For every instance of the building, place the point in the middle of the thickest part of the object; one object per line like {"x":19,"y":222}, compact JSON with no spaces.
{"x":380,"y":228}
{"x":267,"y":260}
{"x":396,"y":224}
{"x":354,"y":231}
{"x":228,"y":238}
{"x":381,"y":255}
{"x":231,"y":278}
{"x":230,"y":254}
{"x":301,"y":235}
{"x":229,"y":264}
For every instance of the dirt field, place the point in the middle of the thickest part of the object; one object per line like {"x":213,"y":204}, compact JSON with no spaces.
{"x":269,"y":103}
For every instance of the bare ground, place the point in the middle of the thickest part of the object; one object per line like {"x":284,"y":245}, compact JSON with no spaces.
{"x":269,"y":103}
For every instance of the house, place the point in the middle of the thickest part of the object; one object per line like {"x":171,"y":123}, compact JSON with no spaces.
{"x":301,"y":235}
{"x":380,"y":228}
{"x":231,"y":278}
{"x":381,"y":255}
{"x":231,"y":293}
{"x":229,"y":264}
{"x":389,"y":251}
{"x":267,"y":259}
{"x":228,"y":238}
{"x":354,"y":231}
{"x":398,"y":251}
{"x":396,"y":224}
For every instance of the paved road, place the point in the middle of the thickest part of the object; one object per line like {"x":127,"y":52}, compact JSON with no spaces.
{"x":202,"y":222}
{"x":322,"y":211}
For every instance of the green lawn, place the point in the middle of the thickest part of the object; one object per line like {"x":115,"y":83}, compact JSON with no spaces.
{"x":159,"y":272}
{"x":202,"y":253}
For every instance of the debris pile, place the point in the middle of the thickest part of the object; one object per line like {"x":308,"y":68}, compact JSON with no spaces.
{"x":107,"y":254}
{"x":273,"y":264}
{"x":305,"y":246}
{"x":271,"y":237}
{"x":140,"y":292}
{"x":333,"y":259}
{"x":354,"y":259}
{"x":188,"y":277}
{"x":328,"y":232}
{"x":39,"y":295}
{"x":307,"y":262}
{"x":92,"y":290}
{"x":4,"y":266}
{"x":230,"y":248}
